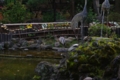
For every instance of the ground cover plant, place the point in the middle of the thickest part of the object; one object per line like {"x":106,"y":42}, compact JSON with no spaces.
{"x":98,"y":58}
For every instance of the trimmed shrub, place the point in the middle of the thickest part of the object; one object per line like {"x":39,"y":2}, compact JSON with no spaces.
{"x":94,"y":59}
{"x":95,"y":30}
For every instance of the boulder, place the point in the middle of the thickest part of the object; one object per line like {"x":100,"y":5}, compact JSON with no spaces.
{"x":69,"y":39}
{"x":88,"y":78}
{"x":45,"y":47}
{"x":1,"y":46}
{"x":59,"y":49}
{"x":73,"y":47}
{"x":45,"y":70}
{"x":57,"y":44}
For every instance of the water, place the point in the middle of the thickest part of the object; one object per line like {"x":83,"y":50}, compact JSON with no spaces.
{"x":21,"y":64}
{"x":30,"y":54}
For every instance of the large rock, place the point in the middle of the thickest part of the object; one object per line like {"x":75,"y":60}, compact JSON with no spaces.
{"x":69,"y":39}
{"x":60,"y":49}
{"x":45,"y":47}
{"x":39,"y":41}
{"x":1,"y":46}
{"x":73,"y":47}
{"x":62,"y":40}
{"x":57,"y":44}
{"x":113,"y":71}
{"x":32,"y":46}
{"x":88,"y":78}
{"x":45,"y":70}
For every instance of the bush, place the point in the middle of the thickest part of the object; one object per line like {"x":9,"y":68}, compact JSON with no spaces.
{"x":15,"y":13}
{"x":114,"y":16}
{"x":94,"y":59}
{"x":95,"y":30}
{"x":47,"y":17}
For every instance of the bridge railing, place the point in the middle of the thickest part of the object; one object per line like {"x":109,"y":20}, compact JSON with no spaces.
{"x":37,"y":26}
{"x":4,"y":37}
{"x":29,"y":29}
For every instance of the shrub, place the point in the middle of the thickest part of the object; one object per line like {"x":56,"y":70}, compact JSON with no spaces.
{"x":114,"y":16}
{"x":95,"y":30}
{"x":93,"y":58}
{"x":47,"y":17}
{"x":15,"y":13}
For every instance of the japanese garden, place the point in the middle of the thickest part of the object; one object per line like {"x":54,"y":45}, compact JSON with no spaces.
{"x":59,"y":40}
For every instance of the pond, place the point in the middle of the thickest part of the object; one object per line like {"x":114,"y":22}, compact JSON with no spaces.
{"x":20,"y":65}
{"x":30,"y":54}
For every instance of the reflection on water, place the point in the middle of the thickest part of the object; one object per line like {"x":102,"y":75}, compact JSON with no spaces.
{"x":30,"y":53}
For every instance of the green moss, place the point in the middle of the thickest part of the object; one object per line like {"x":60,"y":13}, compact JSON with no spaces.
{"x":94,"y":57}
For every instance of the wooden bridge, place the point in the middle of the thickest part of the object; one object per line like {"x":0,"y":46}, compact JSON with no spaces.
{"x":35,"y":30}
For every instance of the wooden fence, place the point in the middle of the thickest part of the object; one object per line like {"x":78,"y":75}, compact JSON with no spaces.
{"x":4,"y":37}
{"x":35,"y":30}
{"x":31,"y":30}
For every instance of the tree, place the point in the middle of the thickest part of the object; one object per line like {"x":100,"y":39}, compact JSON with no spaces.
{"x":36,"y":6}
{"x":15,"y":13}
{"x":117,"y":6}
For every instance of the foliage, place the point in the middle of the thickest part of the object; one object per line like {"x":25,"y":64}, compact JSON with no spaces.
{"x":93,"y":59}
{"x":91,"y":17}
{"x":9,"y":1}
{"x":95,"y":30}
{"x":79,"y":5}
{"x":35,"y":5}
{"x":36,"y":77}
{"x":24,"y":1}
{"x":49,"y":36}
{"x":15,"y":13}
{"x":49,"y":39}
{"x":114,"y":16}
{"x":113,"y":35}
{"x":48,"y":17}
{"x":60,"y":16}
